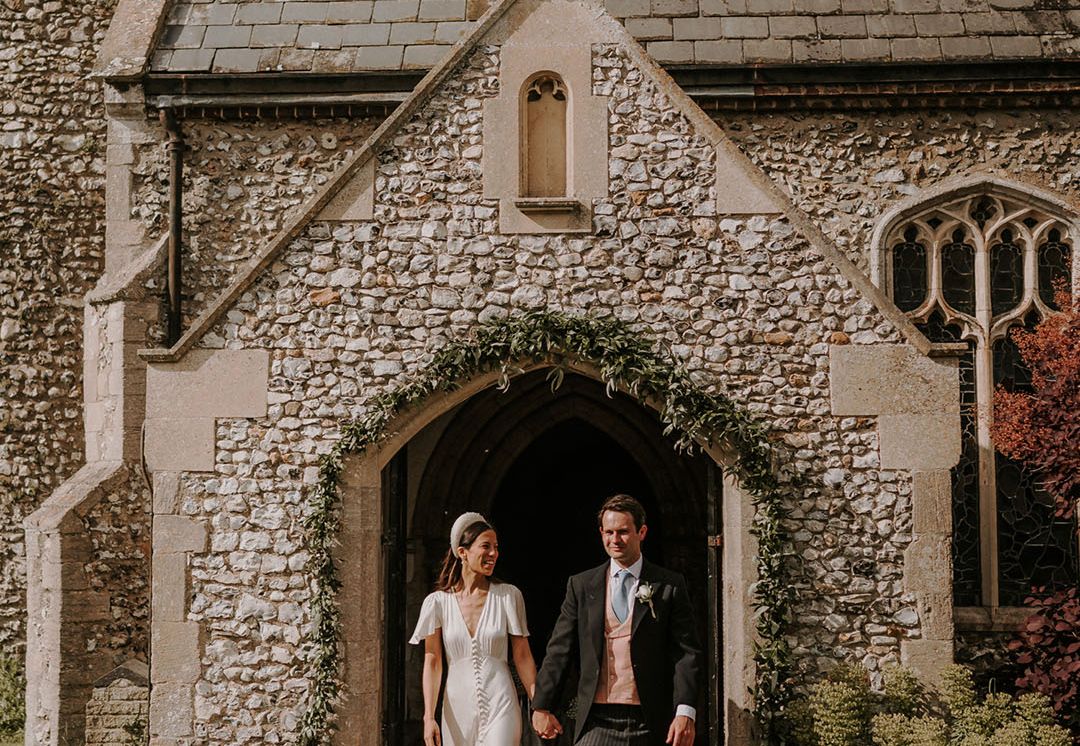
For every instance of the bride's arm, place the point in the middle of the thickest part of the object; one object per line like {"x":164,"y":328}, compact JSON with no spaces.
{"x":432,"y":680}
{"x":524,"y":663}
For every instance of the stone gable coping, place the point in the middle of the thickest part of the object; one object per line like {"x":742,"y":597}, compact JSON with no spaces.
{"x":130,"y":39}
{"x":726,"y":150}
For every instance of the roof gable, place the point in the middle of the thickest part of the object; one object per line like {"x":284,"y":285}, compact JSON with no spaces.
{"x":575,"y":22}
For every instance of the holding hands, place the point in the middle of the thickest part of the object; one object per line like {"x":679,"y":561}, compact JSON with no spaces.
{"x":545,"y":724}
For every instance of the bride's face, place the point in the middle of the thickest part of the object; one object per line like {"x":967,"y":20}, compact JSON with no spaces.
{"x":481,"y":556}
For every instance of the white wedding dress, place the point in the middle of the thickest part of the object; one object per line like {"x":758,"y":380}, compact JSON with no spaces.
{"x":480,"y":705}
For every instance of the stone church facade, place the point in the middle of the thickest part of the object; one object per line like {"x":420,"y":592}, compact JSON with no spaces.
{"x":831,"y":215}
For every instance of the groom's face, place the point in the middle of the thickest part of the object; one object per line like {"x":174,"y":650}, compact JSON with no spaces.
{"x":622,"y":539}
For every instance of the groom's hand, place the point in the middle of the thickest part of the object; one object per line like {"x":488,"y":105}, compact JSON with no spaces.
{"x":681,"y":732}
{"x":545,"y":724}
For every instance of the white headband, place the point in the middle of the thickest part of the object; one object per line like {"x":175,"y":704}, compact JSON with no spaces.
{"x":463,"y":522}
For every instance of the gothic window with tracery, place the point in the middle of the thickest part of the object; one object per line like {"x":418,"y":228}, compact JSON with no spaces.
{"x":544,"y":137}
{"x":969,"y":271}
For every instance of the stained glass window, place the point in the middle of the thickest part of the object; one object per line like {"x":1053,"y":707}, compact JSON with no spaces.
{"x":970,"y":271}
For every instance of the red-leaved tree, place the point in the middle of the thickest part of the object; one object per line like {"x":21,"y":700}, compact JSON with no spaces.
{"x":1042,"y":428}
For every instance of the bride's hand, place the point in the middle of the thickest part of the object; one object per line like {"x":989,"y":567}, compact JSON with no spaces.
{"x":431,"y":733}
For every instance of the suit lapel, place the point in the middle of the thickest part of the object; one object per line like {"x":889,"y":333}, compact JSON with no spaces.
{"x":641,"y":609}
{"x":596,"y":593}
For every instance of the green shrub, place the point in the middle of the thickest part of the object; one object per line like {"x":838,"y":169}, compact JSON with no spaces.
{"x":12,"y":697}
{"x":843,"y":711}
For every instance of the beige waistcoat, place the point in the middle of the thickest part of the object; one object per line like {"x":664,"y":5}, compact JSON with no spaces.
{"x":616,"y":685}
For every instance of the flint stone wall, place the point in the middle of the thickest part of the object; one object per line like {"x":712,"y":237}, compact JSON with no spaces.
{"x":52,"y":144}
{"x":846,"y":169}
{"x":241,"y":183}
{"x":352,"y":309}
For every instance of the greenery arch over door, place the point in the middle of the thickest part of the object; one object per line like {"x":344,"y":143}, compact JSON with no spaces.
{"x":628,"y":361}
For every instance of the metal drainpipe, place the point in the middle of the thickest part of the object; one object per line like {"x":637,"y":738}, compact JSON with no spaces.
{"x":174,"y":283}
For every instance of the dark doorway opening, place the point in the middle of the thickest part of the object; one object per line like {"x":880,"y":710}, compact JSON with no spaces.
{"x":539,"y":464}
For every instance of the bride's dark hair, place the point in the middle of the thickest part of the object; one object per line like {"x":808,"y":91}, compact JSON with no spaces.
{"x":450,"y":574}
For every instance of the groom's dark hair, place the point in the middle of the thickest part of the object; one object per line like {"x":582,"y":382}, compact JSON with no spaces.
{"x":623,"y":504}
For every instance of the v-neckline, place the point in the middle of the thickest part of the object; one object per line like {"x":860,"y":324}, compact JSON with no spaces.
{"x":480,"y":618}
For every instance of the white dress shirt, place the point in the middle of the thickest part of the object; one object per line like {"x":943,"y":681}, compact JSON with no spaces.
{"x":635,"y":579}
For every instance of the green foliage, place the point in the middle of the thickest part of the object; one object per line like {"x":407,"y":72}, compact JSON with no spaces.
{"x":12,"y":697}
{"x":626,"y":360}
{"x":845,"y":712}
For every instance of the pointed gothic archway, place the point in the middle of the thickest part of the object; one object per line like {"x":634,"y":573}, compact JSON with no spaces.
{"x":385,"y":570}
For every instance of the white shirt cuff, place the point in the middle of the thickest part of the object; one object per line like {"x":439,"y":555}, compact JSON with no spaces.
{"x":686,"y":710}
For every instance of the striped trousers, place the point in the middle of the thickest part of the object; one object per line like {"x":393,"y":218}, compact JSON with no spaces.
{"x":617,"y":725}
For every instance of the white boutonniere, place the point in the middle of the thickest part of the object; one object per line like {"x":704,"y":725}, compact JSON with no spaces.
{"x":644,"y":595}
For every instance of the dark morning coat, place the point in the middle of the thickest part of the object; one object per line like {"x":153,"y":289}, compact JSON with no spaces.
{"x":665,"y":652}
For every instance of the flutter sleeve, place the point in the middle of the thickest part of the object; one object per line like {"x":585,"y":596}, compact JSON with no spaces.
{"x":430,"y":619}
{"x":515,"y":613}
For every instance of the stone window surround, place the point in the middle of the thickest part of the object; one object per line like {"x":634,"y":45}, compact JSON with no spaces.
{"x":988,"y":617}
{"x":362,"y":595}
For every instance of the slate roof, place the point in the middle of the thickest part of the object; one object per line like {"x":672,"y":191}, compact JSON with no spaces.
{"x":317,"y":36}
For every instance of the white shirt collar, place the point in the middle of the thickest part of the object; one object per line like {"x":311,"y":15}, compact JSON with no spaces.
{"x":634,"y":569}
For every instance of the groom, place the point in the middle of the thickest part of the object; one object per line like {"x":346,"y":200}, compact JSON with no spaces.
{"x":630,"y":624}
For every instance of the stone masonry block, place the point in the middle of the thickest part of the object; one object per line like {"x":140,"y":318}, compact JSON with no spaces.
{"x":277,"y":35}
{"x":853,"y":7}
{"x":965,"y":47}
{"x":451,"y":32}
{"x":841,"y":27}
{"x":209,"y":383}
{"x":768,"y":7}
{"x":424,"y":57}
{"x":767,"y":50}
{"x":180,"y":444}
{"x":379,"y":58}
{"x":172,"y":712}
{"x":675,"y":7}
{"x":365,"y":34}
{"x":915,"y":6}
{"x":916,"y":49}
{"x":890,"y":379}
{"x":736,"y":192}
{"x":927,"y":658}
{"x":177,"y":533}
{"x":1007,"y":47}
{"x":358,"y":11}
{"x":166,"y":491}
{"x":939,"y":24}
{"x":920,"y":441}
{"x":671,"y":51}
{"x":304,"y":11}
{"x":991,"y":23}
{"x":717,"y":52}
{"x":722,"y":7}
{"x":864,"y":50}
{"x":890,"y":26}
{"x":696,"y":28}
{"x":174,"y":652}
{"x":191,"y":60}
{"x":259,"y":13}
{"x":442,"y":10}
{"x":169,"y":586}
{"x":236,"y":60}
{"x":820,"y":50}
{"x":395,"y":10}
{"x":412,"y":33}
{"x":227,"y":37}
{"x":792,"y":27}
{"x":628,"y":8}
{"x":182,"y":37}
{"x":651,"y":29}
{"x":931,"y":502}
{"x":319,"y":36}
{"x":746,"y":27}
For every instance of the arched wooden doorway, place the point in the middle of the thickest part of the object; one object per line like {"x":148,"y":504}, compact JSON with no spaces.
{"x":538,"y":463}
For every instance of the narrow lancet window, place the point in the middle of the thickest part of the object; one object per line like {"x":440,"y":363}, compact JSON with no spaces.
{"x":544,"y":137}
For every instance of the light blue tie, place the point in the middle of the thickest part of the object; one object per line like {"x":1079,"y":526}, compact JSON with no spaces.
{"x":620,"y":595}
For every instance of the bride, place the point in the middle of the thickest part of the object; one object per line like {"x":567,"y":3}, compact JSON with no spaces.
{"x":473,"y":616}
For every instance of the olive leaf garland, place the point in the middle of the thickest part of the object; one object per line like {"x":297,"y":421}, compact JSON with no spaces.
{"x":627,"y":360}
